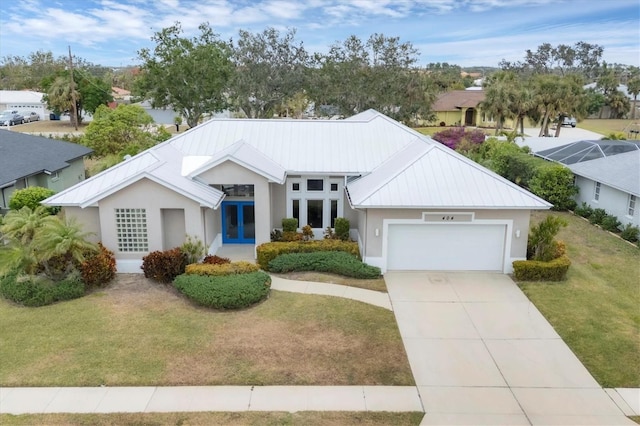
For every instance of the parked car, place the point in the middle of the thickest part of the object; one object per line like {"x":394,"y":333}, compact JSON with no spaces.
{"x":31,"y":116}
{"x":569,"y":121}
{"x":11,"y":118}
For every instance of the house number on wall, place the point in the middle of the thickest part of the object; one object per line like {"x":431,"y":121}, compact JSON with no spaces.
{"x":447,"y":217}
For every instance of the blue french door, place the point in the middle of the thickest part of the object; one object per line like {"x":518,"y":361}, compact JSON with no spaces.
{"x":238,"y":222}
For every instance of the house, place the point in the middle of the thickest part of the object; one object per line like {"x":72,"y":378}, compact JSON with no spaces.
{"x":607,"y":174}
{"x":412,"y":203}
{"x":27,"y":160}
{"x":24,"y":101}
{"x":460,"y":108}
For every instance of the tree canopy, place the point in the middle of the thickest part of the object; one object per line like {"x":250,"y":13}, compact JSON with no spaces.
{"x":127,"y":129}
{"x":189,"y":74}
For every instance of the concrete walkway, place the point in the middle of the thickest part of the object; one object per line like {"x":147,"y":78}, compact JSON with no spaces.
{"x":481,"y":353}
{"x":371,"y":297}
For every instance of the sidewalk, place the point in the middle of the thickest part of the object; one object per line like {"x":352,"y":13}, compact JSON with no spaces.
{"x":208,"y":398}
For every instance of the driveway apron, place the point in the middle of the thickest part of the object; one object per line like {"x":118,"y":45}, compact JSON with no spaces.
{"x":482,"y":353}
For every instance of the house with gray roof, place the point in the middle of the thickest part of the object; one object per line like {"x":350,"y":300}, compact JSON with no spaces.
{"x":611,"y":183}
{"x":27,"y":160}
{"x":607,"y":173}
{"x":412,"y":203}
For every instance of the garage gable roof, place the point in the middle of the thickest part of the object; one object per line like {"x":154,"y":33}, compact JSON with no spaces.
{"x":437,"y":177}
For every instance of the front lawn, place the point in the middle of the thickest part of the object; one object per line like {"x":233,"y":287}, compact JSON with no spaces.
{"x":596,"y":310}
{"x":135,"y":333}
{"x":375,"y":284}
{"x":605,"y":126}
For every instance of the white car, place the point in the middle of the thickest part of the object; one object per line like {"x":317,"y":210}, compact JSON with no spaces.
{"x":31,"y":116}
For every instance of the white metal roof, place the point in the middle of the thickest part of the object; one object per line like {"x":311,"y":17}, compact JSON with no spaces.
{"x":621,"y":171}
{"x":21,"y":96}
{"x":423,"y":176}
{"x":409,"y":169}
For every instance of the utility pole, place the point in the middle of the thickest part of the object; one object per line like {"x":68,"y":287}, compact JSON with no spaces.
{"x":72,"y":85}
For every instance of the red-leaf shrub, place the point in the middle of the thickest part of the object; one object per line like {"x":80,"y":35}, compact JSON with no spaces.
{"x":164,"y":266}
{"x":215,"y":260}
{"x":99,"y":268}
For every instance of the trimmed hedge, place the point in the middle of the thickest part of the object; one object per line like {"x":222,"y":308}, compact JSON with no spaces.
{"x":240,"y":267}
{"x":28,"y":291}
{"x":225,"y":292}
{"x":534,"y":270}
{"x":337,"y":262}
{"x":269,"y":251}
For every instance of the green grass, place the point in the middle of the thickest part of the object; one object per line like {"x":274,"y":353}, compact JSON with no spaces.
{"x":152,"y":336}
{"x":596,"y":310}
{"x":603,"y":126}
{"x":306,"y":418}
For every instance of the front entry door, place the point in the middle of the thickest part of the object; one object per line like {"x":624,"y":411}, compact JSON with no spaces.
{"x":238,"y":222}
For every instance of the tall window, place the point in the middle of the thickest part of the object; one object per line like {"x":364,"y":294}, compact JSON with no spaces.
{"x":131,"y":229}
{"x":632,"y":205}
{"x":596,"y":191}
{"x":315,"y":201}
{"x":315,"y":213}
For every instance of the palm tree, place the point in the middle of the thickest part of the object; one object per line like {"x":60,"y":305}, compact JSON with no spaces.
{"x":522,"y":105}
{"x":64,"y":241}
{"x":21,"y":225}
{"x":501,"y":87}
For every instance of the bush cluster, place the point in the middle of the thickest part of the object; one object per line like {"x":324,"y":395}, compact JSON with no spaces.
{"x":337,"y":262}
{"x":268,"y":251}
{"x":608,"y":222}
{"x":452,"y":136}
{"x":233,"y":268}
{"x":164,"y":266}
{"x":99,"y":268}
{"x":225,"y":292}
{"x":533,"y":270}
{"x":34,"y":291}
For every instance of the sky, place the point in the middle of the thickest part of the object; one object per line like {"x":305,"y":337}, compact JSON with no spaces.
{"x":460,"y":32}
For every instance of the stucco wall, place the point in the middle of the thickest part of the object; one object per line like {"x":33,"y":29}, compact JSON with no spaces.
{"x":375,"y":217}
{"x":614,"y":201}
{"x":234,"y":174}
{"x":89,"y":217}
{"x":153,"y":197}
{"x":278,"y":204}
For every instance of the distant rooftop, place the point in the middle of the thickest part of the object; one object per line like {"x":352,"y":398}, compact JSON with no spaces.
{"x":581,"y":151}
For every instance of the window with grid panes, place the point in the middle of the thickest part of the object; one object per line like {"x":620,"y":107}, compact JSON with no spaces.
{"x":131,"y":229}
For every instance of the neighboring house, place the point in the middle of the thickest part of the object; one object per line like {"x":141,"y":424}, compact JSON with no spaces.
{"x":464,"y":108}
{"x":24,"y":101}
{"x":121,"y":94}
{"x":27,"y":160}
{"x":413,"y":204}
{"x":607,"y":174}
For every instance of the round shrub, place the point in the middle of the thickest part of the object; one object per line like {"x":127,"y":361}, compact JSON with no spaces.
{"x":337,"y":262}
{"x":99,"y":268}
{"x":31,"y":197}
{"x":225,"y":292}
{"x":35,"y":291}
{"x":164,"y":266}
{"x":630,"y":233}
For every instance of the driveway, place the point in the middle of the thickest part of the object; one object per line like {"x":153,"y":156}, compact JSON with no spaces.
{"x":481,"y":353}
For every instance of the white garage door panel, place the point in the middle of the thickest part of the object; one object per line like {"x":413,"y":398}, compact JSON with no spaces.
{"x":446,"y":247}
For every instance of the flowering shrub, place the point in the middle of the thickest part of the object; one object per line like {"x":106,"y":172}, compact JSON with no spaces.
{"x":452,"y":136}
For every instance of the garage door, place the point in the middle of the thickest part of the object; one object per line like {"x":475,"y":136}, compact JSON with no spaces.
{"x":446,"y":247}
